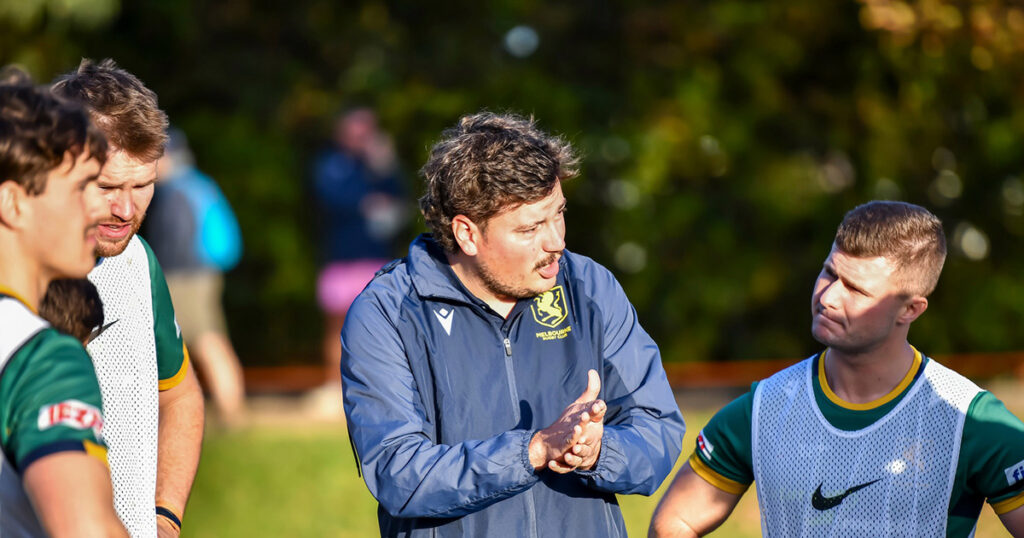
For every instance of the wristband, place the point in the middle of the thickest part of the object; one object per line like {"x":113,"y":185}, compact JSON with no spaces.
{"x":169,"y":514}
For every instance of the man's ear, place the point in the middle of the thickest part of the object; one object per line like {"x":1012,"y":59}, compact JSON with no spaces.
{"x":12,"y":200}
{"x":912,"y":309}
{"x":467,"y":234}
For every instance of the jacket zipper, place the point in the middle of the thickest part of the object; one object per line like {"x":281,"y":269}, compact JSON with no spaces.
{"x":531,"y":508}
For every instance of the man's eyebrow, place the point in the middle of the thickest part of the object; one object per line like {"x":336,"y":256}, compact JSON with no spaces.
{"x":831,"y":269}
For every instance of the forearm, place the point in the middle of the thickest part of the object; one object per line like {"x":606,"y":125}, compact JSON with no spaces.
{"x":180,"y":441}
{"x":637,"y":456}
{"x":413,"y":477}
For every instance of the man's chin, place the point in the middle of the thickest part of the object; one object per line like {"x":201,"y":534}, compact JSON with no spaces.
{"x":108,"y":249}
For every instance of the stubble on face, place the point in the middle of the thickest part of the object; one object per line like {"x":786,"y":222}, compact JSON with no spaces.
{"x":509,"y":290}
{"x":123,"y":171}
{"x":106,"y":248}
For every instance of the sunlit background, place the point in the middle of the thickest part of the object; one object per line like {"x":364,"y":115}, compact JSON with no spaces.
{"x":722,"y":141}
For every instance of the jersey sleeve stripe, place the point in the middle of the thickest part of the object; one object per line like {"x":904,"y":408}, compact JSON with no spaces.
{"x":174,"y":380}
{"x":1007,"y":505}
{"x":97,"y":451}
{"x":53,"y":448}
{"x":708,"y":474}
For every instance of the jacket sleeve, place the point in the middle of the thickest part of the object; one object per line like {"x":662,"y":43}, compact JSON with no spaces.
{"x":406,"y":472}
{"x":644,"y":429}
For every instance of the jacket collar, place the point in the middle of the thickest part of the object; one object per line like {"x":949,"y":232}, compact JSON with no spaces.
{"x":431,"y":274}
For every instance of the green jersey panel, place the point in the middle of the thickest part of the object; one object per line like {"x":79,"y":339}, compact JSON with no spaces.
{"x":170,"y":348}
{"x":990,"y":464}
{"x":49,"y":400}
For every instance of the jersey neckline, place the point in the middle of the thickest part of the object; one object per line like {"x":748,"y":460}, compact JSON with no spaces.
{"x":901,"y":387}
{"x":8,"y":292}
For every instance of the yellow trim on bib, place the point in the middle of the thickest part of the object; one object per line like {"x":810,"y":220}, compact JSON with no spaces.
{"x":8,"y":291}
{"x":1008,"y":505}
{"x":97,"y":451}
{"x":907,"y":379}
{"x":711,"y":477}
{"x":173,"y":381}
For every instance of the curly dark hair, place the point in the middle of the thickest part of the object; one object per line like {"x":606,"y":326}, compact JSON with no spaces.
{"x":73,"y":306}
{"x":489,"y":163}
{"x":908,"y":234}
{"x":38,"y":131}
{"x":120,"y":105}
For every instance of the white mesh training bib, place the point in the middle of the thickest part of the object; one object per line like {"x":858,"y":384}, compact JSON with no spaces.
{"x":893,"y":478}
{"x":17,"y":518}
{"x":125,"y":359}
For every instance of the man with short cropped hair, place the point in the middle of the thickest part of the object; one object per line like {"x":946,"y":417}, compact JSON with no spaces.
{"x":153,"y":402}
{"x":53,"y":475}
{"x":869,"y":437}
{"x":495,"y":383}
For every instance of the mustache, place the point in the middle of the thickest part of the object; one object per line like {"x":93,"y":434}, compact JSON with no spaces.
{"x":549,"y":260}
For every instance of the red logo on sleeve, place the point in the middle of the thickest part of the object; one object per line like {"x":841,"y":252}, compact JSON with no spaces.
{"x":73,"y":414}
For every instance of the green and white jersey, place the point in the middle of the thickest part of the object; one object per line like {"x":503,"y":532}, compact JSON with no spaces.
{"x":934,"y":445}
{"x":139,"y":352}
{"x":49,"y":403}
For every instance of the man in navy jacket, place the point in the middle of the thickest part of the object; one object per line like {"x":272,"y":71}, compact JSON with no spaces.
{"x":495,"y":383}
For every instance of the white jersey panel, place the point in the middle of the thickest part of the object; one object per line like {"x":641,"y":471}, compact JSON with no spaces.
{"x":126,"y":365}
{"x":17,"y":518}
{"x":892,"y":478}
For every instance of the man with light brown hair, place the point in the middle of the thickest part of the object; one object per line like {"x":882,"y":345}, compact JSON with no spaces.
{"x":153,"y":402}
{"x":869,"y":437}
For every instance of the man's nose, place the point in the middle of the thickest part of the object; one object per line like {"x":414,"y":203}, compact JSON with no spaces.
{"x":121,"y":204}
{"x":830,"y":295}
{"x":554,"y":240}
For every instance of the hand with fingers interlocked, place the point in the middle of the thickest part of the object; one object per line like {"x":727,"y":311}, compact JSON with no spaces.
{"x":574,"y":440}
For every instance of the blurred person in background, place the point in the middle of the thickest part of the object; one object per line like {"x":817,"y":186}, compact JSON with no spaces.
{"x":495,"y":383}
{"x":869,"y":437}
{"x":195,"y":235}
{"x":153,"y":402}
{"x":362,"y":207}
{"x":54,"y":479}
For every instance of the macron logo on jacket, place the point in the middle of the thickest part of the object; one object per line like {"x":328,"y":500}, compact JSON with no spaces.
{"x":445,"y":316}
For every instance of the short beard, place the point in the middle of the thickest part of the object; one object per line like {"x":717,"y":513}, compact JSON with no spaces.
{"x":503,"y":290}
{"x":105,"y":249}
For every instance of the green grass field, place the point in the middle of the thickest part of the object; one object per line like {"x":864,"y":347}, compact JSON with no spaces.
{"x":300,"y":481}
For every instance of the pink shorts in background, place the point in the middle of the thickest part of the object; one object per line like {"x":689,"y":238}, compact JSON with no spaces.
{"x":341,"y":282}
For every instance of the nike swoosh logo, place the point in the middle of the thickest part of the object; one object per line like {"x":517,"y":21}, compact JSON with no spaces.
{"x":99,"y":330}
{"x":821,"y":502}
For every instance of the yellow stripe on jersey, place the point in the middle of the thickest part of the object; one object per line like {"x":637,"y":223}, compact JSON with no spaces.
{"x":1008,"y":505}
{"x":8,"y":291}
{"x":903,"y":384}
{"x":97,"y":451}
{"x":175,"y":379}
{"x":708,"y":474}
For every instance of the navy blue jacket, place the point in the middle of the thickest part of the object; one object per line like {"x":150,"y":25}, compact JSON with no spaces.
{"x":443,"y":395}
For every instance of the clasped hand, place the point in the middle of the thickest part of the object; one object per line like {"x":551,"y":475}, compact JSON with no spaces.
{"x":574,"y":440}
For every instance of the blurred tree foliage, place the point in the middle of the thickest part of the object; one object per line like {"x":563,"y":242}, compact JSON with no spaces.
{"x":723,"y":141}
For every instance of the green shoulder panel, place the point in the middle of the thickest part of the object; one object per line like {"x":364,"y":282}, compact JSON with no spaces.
{"x":726,"y":440}
{"x":49,"y":399}
{"x":170,"y":353}
{"x":992,"y":453}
